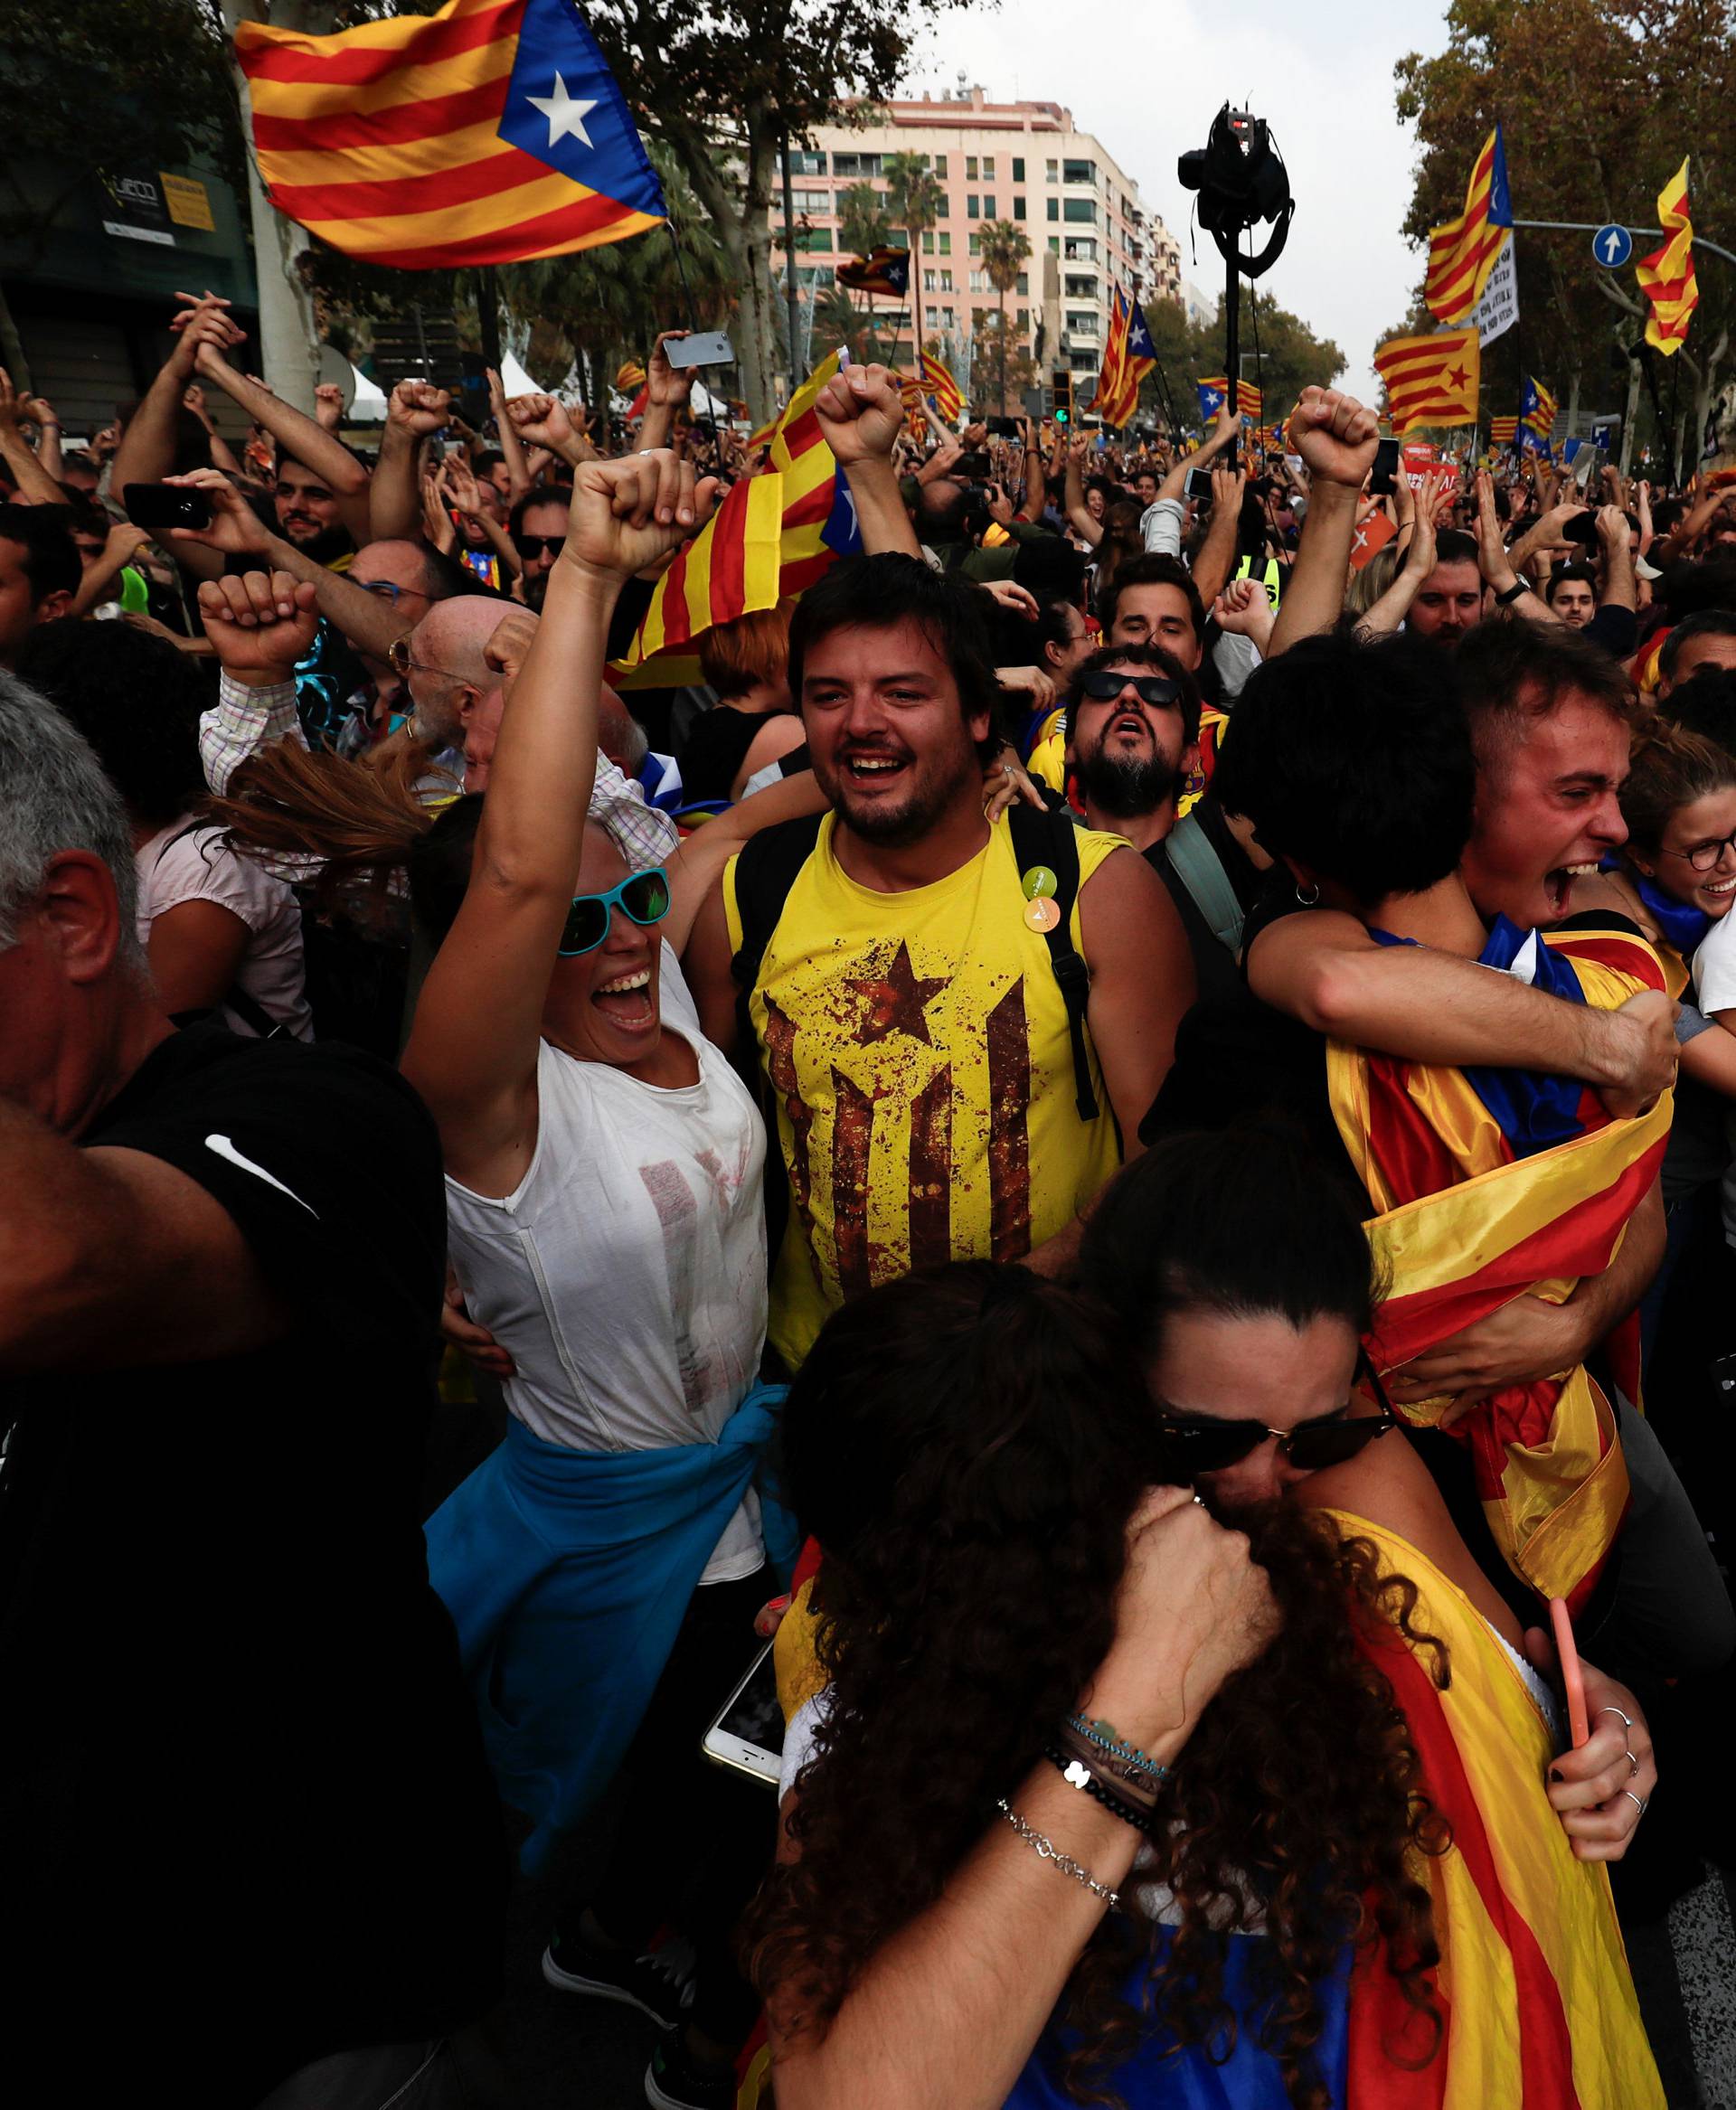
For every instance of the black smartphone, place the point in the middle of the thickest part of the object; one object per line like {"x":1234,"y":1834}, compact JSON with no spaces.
{"x":973,"y":467}
{"x":1582,"y":528}
{"x":166,"y":505}
{"x":1385,"y":477}
{"x":1003,"y":428}
{"x":1198,"y":485}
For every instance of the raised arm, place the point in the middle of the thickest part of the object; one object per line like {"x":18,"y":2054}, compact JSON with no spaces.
{"x":861,"y":414}
{"x":473,"y":1049}
{"x":1496,"y":561}
{"x":540,"y":421}
{"x":35,"y":485}
{"x":1336,"y":438}
{"x":458,"y":487}
{"x":415,"y":411}
{"x":296,"y":434}
{"x":1621,"y":585}
{"x":1036,"y":485}
{"x":1394,"y":604}
{"x":667,"y":390}
{"x":1079,"y":514}
{"x":1217,"y":557}
{"x":146,"y":451}
{"x":518,"y":474}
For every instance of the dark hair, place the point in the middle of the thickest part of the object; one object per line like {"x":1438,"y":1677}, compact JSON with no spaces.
{"x":1671,"y":767}
{"x":1454,"y":546}
{"x":489,"y":458}
{"x":52,"y":562}
{"x":1704,"y":623}
{"x":135,"y":698}
{"x":1237,"y":1220}
{"x":1051,"y":628}
{"x":969,"y":1444}
{"x":1691,"y":585}
{"x":1049,"y":567}
{"x":1155,"y":660}
{"x":1705,"y":703}
{"x":1569,"y":575}
{"x":877,"y":593}
{"x":1153,"y":569}
{"x":559,"y":495}
{"x":1511,"y":674}
{"x":1355,"y":760}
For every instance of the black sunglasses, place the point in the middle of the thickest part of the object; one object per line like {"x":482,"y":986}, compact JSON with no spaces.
{"x":1153,"y":689}
{"x":530,"y":547}
{"x":1193,"y":1446}
{"x":644,"y":896}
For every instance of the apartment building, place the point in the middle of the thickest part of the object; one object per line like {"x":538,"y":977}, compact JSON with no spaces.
{"x":1026,"y":162}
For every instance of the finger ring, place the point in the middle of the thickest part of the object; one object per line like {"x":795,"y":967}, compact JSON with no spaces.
{"x":1625,"y":1720}
{"x":1633,"y":1765}
{"x":1639,"y":1802}
{"x":1201,"y":1500}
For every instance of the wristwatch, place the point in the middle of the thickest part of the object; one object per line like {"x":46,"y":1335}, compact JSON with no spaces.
{"x":1519,"y":586}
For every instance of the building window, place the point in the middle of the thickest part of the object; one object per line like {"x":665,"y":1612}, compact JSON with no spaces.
{"x":1054,"y":208}
{"x":945,"y":245}
{"x":1081,"y":287}
{"x":928,"y":244}
{"x":931,"y":317}
{"x":940,"y":167}
{"x":1073,"y":172}
{"x":1024,"y":285}
{"x":946,"y":281}
{"x":971,"y":202}
{"x":1018,"y":169}
{"x":945,"y":316}
{"x":970,"y":168}
{"x":1018,"y":209}
{"x":856,"y":165}
{"x":988,"y":164}
{"x":807,"y":164}
{"x":1055,"y":242}
{"x":1053,"y":168}
{"x":988,"y":205}
{"x":1078,"y":209}
{"x":979,"y":282}
{"x":927,"y":282}
{"x":1081,"y":248}
{"x":814,"y":238}
{"x":1023,"y":319}
{"x":811,"y":200}
{"x":1083,"y":361}
{"x":1081,"y":322}
{"x":975,"y":245}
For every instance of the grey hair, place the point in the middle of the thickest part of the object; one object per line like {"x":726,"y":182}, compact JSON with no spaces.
{"x":54,"y":796}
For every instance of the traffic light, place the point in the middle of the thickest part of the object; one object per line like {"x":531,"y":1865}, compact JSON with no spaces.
{"x":1062,"y":378}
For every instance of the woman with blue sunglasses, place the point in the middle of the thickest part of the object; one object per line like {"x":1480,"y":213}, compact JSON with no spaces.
{"x":603,"y":1166}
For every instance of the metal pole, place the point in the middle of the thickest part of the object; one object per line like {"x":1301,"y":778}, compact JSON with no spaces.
{"x":790,"y":294}
{"x":1231,"y":338}
{"x":1591,"y":226}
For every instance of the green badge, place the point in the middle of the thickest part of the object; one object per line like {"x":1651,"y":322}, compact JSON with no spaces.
{"x":1039,"y":882}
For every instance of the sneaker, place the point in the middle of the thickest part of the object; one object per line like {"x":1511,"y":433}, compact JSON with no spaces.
{"x":672,"y":2082}
{"x":659,"y":1984}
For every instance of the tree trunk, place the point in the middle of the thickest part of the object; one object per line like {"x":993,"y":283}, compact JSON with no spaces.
{"x":1629,"y":416}
{"x":289,"y":346}
{"x":1003,"y":350}
{"x":1573,"y":401}
{"x":1703,"y":394}
{"x":11,"y":349}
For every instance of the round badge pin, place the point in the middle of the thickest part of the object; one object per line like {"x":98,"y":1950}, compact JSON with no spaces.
{"x":1041,"y":914}
{"x":1039,"y":882}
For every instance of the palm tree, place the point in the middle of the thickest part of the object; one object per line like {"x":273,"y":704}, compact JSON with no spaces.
{"x":863,"y":224}
{"x":1004,"y":248}
{"x":838,"y":321}
{"x":916,"y":202}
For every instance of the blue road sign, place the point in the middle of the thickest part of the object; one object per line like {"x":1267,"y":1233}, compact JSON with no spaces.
{"x":1612,"y":246}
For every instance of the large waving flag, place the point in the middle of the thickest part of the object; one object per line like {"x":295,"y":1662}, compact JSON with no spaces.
{"x":1463,"y":252}
{"x":1666,"y":278}
{"x":1128,"y":357}
{"x":882,"y":271}
{"x":1492,"y":1184}
{"x":1214,"y":393}
{"x":488,"y":133}
{"x":1537,"y":410}
{"x":1431,"y":381}
{"x":731,"y":567}
{"x":939,"y":384}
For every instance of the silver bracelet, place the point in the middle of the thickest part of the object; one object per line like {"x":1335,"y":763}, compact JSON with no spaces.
{"x":1047,"y":1850}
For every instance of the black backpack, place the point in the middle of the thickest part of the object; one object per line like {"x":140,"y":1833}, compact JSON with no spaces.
{"x":765,"y":870}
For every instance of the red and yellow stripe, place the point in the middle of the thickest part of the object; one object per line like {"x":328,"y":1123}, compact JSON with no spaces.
{"x":1463,"y":252}
{"x":1666,"y":276}
{"x":730,"y":569}
{"x":1431,"y":381}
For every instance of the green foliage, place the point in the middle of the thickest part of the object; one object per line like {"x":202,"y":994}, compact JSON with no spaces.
{"x":838,"y":321}
{"x":1290,"y":356}
{"x":863,"y":222}
{"x":914,"y":195}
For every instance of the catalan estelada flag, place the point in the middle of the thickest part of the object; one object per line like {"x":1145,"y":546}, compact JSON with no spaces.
{"x":1463,"y":252}
{"x":1501,"y":430}
{"x":940,"y":385}
{"x":1535,"y":1997}
{"x":1489,"y":1184}
{"x":731,"y":567}
{"x":1128,"y":358}
{"x":1666,"y":278}
{"x":1537,"y":410}
{"x":1214,"y":393}
{"x":883,"y":270}
{"x":819,"y":513}
{"x":488,"y":133}
{"x":1431,"y":381}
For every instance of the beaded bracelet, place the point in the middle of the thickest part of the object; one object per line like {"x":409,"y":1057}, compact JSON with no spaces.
{"x":1120,"y":1775}
{"x":1107,"y":1737}
{"x":1076,"y":1774}
{"x":1047,"y":1850}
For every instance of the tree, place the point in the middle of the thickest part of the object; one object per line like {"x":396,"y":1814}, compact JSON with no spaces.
{"x":1599,"y":100}
{"x":913,"y":196}
{"x":1005,"y":247}
{"x":862,"y":222}
{"x":1290,"y":356}
{"x":742,"y":74}
{"x":838,"y":321}
{"x":998,"y":346}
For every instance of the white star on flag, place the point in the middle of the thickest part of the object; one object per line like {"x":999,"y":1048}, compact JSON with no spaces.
{"x":564,"y":112}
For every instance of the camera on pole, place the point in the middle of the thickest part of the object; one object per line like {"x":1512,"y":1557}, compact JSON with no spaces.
{"x":1241,"y":180}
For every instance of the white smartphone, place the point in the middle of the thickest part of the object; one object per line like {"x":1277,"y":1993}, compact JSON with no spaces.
{"x":700,"y":348}
{"x":748,"y":1735}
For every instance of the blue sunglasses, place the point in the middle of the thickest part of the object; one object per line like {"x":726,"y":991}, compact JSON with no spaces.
{"x":642,"y":895}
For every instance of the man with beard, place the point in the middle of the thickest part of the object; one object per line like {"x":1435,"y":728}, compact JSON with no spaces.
{"x":538,"y":527}
{"x":912,"y":974}
{"x":1134,"y":729}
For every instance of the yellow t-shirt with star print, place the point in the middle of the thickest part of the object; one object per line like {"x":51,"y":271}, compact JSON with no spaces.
{"x":917,"y":1048}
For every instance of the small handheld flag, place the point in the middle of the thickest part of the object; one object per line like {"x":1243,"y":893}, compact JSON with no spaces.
{"x":1666,"y":278}
{"x":1213,"y":394}
{"x":1537,"y":410}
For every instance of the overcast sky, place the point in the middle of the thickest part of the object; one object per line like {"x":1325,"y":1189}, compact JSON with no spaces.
{"x":1149,"y":79}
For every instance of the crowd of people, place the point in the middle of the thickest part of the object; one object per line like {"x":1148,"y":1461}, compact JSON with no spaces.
{"x":1209,"y":1361}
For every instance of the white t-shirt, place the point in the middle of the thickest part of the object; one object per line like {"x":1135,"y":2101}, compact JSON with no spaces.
{"x":1714,"y":966}
{"x":184,"y":863}
{"x":626,"y":1275}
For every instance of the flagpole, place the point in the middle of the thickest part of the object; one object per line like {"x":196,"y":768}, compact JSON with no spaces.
{"x":488,"y":313}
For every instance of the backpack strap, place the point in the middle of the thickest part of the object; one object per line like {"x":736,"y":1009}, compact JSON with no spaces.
{"x":1201,"y":871}
{"x":765,"y":871}
{"x":1051,"y":839}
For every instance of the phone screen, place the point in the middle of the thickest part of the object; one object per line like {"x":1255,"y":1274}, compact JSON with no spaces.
{"x":748,"y":1735}
{"x":1386,"y":469}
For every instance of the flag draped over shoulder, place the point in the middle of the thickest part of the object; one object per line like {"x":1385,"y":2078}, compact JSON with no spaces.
{"x":1534,"y":1988}
{"x":1492,"y":1184}
{"x":488,"y":133}
{"x":1463,"y":252}
{"x":1666,"y":278}
{"x":1431,"y":381}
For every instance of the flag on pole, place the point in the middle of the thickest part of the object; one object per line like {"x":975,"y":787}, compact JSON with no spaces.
{"x":1463,"y":252}
{"x":940,"y":385}
{"x":1431,"y":381}
{"x":485,"y":134}
{"x":1537,"y":410}
{"x":1502,"y":431}
{"x":1214,"y":393}
{"x":1128,"y":356}
{"x":1666,"y":278}
{"x":883,"y":270}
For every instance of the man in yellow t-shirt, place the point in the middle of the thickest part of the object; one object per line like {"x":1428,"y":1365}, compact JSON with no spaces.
{"x":907,"y":1000}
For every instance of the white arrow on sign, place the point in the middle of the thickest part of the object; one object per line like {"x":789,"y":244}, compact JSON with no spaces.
{"x":1612,"y":246}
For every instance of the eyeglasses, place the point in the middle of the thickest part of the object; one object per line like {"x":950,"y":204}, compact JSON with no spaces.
{"x":531,"y":546}
{"x":398,"y":658}
{"x":1195,"y":1444}
{"x":643,"y":895}
{"x":1153,"y":689}
{"x":387,"y":589}
{"x":1703,"y":856}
